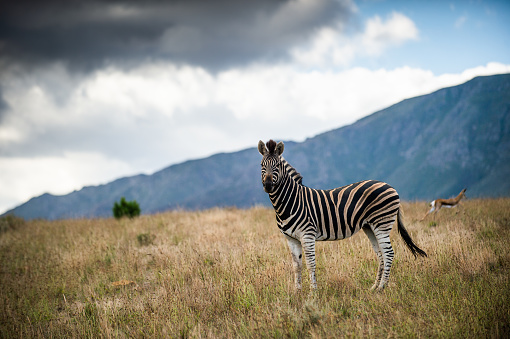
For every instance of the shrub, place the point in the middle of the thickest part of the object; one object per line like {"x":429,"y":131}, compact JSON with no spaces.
{"x":11,"y":222}
{"x":145,"y":239}
{"x":125,"y":208}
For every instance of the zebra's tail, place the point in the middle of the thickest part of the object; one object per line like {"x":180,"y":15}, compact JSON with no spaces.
{"x":407,"y":238}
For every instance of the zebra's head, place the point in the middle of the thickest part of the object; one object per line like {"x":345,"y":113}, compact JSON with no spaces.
{"x":271,"y":164}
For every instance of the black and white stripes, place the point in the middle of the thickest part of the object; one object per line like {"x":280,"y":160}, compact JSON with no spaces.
{"x":305,"y":215}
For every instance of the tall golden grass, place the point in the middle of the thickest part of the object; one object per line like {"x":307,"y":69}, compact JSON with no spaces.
{"x":227,"y":273}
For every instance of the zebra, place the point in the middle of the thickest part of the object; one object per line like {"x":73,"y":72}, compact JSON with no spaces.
{"x":305,"y":215}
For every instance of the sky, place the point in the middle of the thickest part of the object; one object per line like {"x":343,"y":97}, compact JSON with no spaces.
{"x":91,"y":91}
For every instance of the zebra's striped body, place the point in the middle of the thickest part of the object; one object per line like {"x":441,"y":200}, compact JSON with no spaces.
{"x":305,"y":215}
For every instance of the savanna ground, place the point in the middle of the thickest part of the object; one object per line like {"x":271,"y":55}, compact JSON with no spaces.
{"x":227,"y":273}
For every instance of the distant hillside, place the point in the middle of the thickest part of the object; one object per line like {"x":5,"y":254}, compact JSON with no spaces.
{"x":426,"y":147}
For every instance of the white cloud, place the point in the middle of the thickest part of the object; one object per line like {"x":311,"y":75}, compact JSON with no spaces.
{"x":22,"y":178}
{"x":460,"y":21}
{"x":153,"y":87}
{"x":331,"y":47}
{"x":380,"y":35}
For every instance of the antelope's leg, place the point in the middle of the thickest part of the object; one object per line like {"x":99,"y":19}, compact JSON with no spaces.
{"x":431,"y":210}
{"x":437,"y":210}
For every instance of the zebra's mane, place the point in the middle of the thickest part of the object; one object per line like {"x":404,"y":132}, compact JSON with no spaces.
{"x":295,"y":175}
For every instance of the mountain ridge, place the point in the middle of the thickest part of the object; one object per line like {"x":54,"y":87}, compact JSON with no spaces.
{"x":426,"y":147}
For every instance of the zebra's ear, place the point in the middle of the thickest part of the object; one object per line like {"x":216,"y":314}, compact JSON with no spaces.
{"x":262,"y":148}
{"x":279,"y":148}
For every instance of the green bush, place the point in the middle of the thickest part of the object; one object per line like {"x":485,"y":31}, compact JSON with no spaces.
{"x":11,"y":222}
{"x":125,"y":208}
{"x":145,"y":239}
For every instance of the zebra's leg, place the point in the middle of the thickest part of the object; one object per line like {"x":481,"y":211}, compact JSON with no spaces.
{"x":308,"y":244}
{"x":382,"y":234}
{"x":375,"y":245}
{"x":297,"y":259}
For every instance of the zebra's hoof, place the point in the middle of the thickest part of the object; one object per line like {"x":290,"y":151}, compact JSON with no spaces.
{"x":380,"y":288}
{"x":313,"y":293}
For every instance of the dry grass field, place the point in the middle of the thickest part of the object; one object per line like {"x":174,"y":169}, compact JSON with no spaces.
{"x":227,"y":273}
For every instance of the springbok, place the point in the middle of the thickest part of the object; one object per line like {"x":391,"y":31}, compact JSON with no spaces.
{"x":449,"y":203}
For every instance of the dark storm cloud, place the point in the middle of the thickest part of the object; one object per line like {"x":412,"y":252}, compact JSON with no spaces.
{"x":3,"y":106}
{"x":212,"y":34}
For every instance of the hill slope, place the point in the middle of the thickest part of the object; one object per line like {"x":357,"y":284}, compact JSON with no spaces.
{"x":426,"y":147}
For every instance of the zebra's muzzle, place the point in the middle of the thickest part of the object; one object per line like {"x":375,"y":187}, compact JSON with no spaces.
{"x":268,"y":186}
{"x":268,"y":183}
